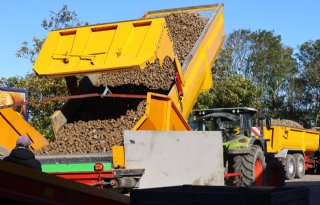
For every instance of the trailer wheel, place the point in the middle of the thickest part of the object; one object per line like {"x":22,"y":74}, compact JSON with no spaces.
{"x":253,"y":167}
{"x":275,"y":172}
{"x":290,"y":167}
{"x":300,"y":165}
{"x":234,"y":166}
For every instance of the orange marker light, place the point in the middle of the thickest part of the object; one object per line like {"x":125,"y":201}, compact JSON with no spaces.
{"x":98,"y":167}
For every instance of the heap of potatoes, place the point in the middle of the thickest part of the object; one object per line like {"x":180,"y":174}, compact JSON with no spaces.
{"x":99,"y":123}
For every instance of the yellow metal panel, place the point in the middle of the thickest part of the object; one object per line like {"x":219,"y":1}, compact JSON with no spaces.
{"x":291,"y":138}
{"x":12,"y":125}
{"x":151,"y":14}
{"x":100,"y":48}
{"x":118,"y":157}
{"x":197,"y":72}
{"x":161,"y":114}
{"x":312,"y":141}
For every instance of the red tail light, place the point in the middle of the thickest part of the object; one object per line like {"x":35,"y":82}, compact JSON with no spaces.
{"x":98,"y":167}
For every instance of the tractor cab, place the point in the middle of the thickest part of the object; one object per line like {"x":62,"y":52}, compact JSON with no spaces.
{"x":232,"y":122}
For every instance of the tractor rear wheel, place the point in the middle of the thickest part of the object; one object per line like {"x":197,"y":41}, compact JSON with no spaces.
{"x":253,"y":167}
{"x":290,"y":167}
{"x":300,"y":165}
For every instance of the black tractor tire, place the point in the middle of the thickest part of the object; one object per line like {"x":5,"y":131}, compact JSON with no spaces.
{"x":253,"y":167}
{"x":290,"y":167}
{"x":276,"y":174}
{"x":300,"y":165}
{"x":234,"y":166}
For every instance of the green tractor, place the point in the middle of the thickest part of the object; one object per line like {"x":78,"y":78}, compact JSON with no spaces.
{"x":245,"y":155}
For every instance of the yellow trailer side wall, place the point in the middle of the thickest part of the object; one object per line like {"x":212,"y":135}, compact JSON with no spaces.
{"x":279,"y":138}
{"x":12,"y":125}
{"x":161,"y":114}
{"x":197,"y":73}
{"x":132,"y":45}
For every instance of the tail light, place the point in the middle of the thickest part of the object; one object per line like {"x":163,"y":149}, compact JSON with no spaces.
{"x":98,"y":167}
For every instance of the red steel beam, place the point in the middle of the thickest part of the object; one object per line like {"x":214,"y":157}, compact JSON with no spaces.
{"x":231,"y":175}
{"x":44,"y":100}
{"x":24,"y":185}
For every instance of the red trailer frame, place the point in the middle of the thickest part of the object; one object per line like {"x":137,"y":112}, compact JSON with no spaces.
{"x":23,"y":185}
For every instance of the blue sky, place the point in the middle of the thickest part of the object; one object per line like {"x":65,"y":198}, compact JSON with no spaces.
{"x":296,"y":21}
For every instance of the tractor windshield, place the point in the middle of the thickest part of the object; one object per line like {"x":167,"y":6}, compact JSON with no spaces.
{"x":229,"y":124}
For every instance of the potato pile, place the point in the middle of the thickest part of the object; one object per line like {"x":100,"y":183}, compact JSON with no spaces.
{"x":286,"y":123}
{"x":98,"y":126}
{"x":185,"y":29}
{"x":99,"y":123}
{"x":153,"y":78}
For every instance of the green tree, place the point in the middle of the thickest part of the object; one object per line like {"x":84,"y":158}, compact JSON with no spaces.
{"x":239,"y":47}
{"x":271,"y":65}
{"x":231,"y":87}
{"x":308,"y":84}
{"x":40,"y":112}
{"x":57,"y":20}
{"x":253,"y":69}
{"x":230,"y":91}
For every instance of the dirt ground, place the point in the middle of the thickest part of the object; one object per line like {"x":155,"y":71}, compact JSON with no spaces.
{"x":310,"y":181}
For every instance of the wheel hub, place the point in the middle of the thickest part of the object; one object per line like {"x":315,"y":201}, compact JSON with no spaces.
{"x":258,"y":169}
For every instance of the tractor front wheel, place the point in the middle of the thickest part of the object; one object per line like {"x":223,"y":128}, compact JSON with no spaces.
{"x":253,"y":167}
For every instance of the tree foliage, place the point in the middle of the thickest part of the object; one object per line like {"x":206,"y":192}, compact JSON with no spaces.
{"x":230,"y":91}
{"x":57,"y":20}
{"x":307,"y":89}
{"x":52,"y":87}
{"x":271,"y":65}
{"x":253,"y":69}
{"x":230,"y":87}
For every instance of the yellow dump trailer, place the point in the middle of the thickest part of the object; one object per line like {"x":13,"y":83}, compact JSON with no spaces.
{"x":131,"y":45}
{"x":294,"y":146}
{"x":13,"y":121}
{"x":280,"y":138}
{"x":12,"y":125}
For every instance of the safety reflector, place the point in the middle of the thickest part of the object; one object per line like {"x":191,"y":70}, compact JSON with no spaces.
{"x":98,"y":167}
{"x":255,"y":131}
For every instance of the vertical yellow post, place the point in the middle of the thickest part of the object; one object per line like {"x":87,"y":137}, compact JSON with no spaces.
{"x":118,"y":157}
